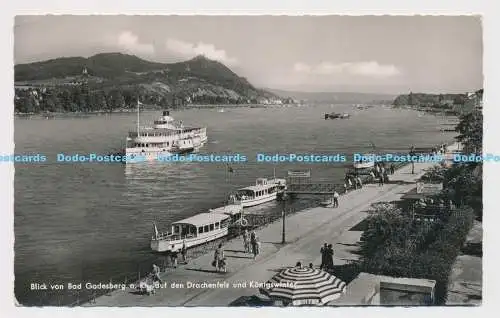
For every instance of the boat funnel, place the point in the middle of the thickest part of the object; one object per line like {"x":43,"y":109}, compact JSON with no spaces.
{"x":155,"y":230}
{"x":166,"y":113}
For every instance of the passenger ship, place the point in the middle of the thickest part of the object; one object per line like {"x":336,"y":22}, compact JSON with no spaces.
{"x":163,"y":139}
{"x":198,"y":229}
{"x":263,"y":191}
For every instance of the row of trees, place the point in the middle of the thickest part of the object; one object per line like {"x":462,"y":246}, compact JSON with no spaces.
{"x":421,"y":99}
{"x":80,"y":98}
{"x":72,"y":99}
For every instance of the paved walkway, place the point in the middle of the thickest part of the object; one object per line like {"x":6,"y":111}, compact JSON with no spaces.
{"x":306,"y":232}
{"x":466,"y":279}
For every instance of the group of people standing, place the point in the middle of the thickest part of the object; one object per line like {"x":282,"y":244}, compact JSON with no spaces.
{"x":381,"y":173}
{"x":174,"y":255}
{"x":251,"y":243}
{"x":351,"y":181}
{"x":326,"y":257}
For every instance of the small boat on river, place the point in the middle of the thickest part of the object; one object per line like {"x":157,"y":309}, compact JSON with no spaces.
{"x":337,"y":116}
{"x":263,"y":191}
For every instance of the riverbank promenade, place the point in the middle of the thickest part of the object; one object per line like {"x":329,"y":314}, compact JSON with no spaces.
{"x":306,"y":232}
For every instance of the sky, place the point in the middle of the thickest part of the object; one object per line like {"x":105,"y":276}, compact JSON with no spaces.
{"x":373,"y":54}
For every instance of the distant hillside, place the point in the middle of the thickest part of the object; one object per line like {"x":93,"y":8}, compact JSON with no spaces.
{"x":199,"y":80}
{"x":331,"y":97}
{"x":451,"y":103}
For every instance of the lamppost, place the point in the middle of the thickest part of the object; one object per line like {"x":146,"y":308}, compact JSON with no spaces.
{"x":412,"y":153}
{"x":283,"y":240}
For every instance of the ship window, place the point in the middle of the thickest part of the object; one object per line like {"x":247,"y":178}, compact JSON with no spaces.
{"x":211,"y":227}
{"x":205,"y":228}
{"x":200,"y":229}
{"x":217,"y":225}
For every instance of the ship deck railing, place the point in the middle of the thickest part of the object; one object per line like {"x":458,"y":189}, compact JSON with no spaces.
{"x":173,"y":237}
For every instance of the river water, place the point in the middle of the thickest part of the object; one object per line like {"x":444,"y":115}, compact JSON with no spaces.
{"x":90,"y":222}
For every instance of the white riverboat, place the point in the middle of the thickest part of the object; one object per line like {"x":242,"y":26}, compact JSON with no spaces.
{"x":365,"y":164}
{"x":235,"y":210}
{"x":165,"y":138}
{"x":263,"y":191}
{"x":198,"y":229}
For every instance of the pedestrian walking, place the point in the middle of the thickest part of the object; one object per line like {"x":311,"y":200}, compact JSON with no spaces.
{"x":358,"y":182}
{"x":173,"y":257}
{"x":329,"y":257}
{"x":246,"y":243}
{"x":392,"y":168}
{"x":184,"y":252}
{"x":336,"y":199}
{"x":253,"y":243}
{"x":372,"y":176}
{"x":156,"y":273}
{"x":219,"y":259}
{"x":323,"y":250}
{"x":257,"y":245}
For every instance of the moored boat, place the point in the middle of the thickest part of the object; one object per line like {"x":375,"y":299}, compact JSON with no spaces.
{"x":263,"y":191}
{"x":234,"y":210}
{"x":198,"y":229}
{"x":365,"y":164}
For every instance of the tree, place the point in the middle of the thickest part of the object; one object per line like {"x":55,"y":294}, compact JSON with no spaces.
{"x":470,"y":129}
{"x":464,"y":186}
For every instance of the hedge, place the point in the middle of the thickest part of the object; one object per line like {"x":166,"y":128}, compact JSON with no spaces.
{"x":432,"y":260}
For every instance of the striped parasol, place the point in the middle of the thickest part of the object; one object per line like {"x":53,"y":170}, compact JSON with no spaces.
{"x":304,"y":286}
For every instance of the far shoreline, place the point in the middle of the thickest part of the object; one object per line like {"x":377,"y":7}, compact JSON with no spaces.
{"x":133,"y":111}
